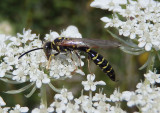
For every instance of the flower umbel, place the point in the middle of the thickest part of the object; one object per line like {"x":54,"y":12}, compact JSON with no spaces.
{"x":140,"y":20}
{"x":32,"y":66}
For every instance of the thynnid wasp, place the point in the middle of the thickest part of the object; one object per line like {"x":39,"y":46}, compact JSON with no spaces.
{"x":62,"y":44}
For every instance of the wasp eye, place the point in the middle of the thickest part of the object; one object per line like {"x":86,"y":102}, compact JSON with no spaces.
{"x":47,"y":49}
{"x":47,"y":45}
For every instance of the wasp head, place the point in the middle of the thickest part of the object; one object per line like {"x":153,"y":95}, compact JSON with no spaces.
{"x":47,"y":48}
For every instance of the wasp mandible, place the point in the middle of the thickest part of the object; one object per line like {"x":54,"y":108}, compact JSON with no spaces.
{"x":63,"y":44}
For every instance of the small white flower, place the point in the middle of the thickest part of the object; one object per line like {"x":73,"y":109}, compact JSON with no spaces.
{"x":145,"y":42}
{"x":20,"y":74}
{"x":72,"y":108}
{"x":125,"y":30}
{"x":116,"y":110}
{"x":90,"y":84}
{"x":50,"y":37}
{"x":126,"y":95}
{"x":101,"y":107}
{"x":64,"y":96}
{"x":39,"y":77}
{"x":36,"y":43}
{"x":43,"y":109}
{"x":99,"y":97}
{"x":87,"y":106}
{"x":18,"y":109}
{"x":115,"y":22}
{"x":50,"y":109}
{"x":15,"y":41}
{"x":59,"y":106}
{"x":26,"y":36}
{"x":71,"y":32}
{"x":143,"y":88}
{"x":81,"y":99}
{"x":3,"y":49}
{"x":152,"y":77}
{"x":36,"y":110}
{"x":116,"y":96}
{"x":11,"y":60}
{"x":4,"y":110}
{"x":3,"y":38}
{"x":135,"y":100}
{"x":109,"y":4}
{"x":4,"y":67}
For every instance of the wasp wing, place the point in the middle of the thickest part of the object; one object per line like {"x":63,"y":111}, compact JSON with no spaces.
{"x":92,"y":43}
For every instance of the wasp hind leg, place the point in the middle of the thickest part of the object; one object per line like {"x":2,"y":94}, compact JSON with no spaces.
{"x":73,"y":72}
{"x":50,"y":59}
{"x":79,"y":59}
{"x":76,"y":67}
{"x":89,"y":66}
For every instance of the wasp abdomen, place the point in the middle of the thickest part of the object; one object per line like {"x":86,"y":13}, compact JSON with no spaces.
{"x":101,"y":62}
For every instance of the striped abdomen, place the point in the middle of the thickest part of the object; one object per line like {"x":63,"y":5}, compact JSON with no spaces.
{"x":100,"y":61}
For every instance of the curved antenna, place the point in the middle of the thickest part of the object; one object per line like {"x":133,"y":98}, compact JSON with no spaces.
{"x":29,"y":52}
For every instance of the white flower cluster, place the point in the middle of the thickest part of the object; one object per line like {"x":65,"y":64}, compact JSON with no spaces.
{"x":140,"y":20}
{"x":32,"y":67}
{"x":65,"y":102}
{"x":146,"y":97}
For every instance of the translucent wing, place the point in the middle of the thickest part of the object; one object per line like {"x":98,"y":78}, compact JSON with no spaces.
{"x":93,"y":43}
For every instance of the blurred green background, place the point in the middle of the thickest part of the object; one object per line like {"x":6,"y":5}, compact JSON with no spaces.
{"x":41,"y":16}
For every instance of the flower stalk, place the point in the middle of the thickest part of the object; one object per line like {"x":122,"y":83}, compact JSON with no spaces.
{"x":43,"y":96}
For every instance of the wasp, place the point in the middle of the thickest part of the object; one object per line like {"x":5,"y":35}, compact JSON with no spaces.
{"x":63,"y":44}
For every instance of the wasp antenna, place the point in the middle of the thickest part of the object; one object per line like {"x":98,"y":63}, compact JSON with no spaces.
{"x":28,"y":52}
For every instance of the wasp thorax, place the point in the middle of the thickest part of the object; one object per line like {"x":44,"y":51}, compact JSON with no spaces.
{"x":47,"y":48}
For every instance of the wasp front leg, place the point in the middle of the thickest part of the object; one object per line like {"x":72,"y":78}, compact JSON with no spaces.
{"x":50,"y":59}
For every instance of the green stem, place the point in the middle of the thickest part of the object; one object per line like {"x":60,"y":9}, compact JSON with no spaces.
{"x":43,"y":95}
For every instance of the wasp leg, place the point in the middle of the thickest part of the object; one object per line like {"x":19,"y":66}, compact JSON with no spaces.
{"x":50,"y":59}
{"x":79,"y":59}
{"x":89,"y":66}
{"x":74,"y":64}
